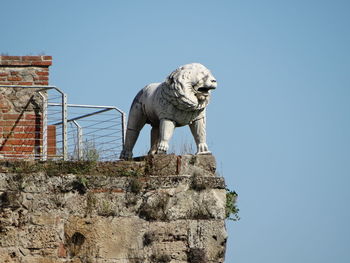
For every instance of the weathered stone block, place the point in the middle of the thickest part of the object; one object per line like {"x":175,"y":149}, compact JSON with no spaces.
{"x":170,"y":164}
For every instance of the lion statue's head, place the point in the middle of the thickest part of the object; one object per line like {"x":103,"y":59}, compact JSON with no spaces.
{"x":188,"y":87}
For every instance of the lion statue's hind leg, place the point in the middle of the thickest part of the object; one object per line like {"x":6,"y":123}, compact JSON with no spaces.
{"x":154,"y":140}
{"x":136,"y":121}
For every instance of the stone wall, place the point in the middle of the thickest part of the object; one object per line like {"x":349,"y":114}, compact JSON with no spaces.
{"x":21,"y":108}
{"x":166,"y":209}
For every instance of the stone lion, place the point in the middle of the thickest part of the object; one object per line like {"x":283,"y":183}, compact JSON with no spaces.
{"x":180,"y":100}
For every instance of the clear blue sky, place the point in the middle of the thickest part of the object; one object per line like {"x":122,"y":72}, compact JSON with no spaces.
{"x":278,"y":124}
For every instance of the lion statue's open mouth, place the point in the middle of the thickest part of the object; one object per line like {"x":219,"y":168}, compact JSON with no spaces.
{"x":180,"y":100}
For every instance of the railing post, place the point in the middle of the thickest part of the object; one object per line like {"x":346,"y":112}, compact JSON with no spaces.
{"x":64,"y":127}
{"x":44,"y":144}
{"x":123,"y":128}
{"x":79,"y":140}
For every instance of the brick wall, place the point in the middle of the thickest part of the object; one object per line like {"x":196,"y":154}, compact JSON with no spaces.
{"x":24,"y":70}
{"x":21,"y":108}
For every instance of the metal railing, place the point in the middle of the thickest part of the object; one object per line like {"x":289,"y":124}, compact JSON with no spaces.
{"x":76,"y":132}
{"x":93,"y":132}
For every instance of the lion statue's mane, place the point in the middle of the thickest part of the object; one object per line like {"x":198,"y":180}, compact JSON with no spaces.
{"x":180,"y":100}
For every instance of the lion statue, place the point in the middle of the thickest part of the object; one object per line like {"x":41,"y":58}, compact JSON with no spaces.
{"x":180,"y":100}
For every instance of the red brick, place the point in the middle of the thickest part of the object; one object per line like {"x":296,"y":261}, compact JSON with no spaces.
{"x":3,"y":79}
{"x":18,"y":142}
{"x":11,"y":57}
{"x":24,"y":135}
{"x":29,"y":129}
{"x":11,"y":141}
{"x":31,"y":123}
{"x":46,"y":57}
{"x":24,"y":83}
{"x":31,"y":142}
{"x":4,"y":105}
{"x":15,"y":129}
{"x":6,"y":83}
{"x":13,"y":155}
{"x":41,"y":63}
{"x":32,"y":117}
{"x":14,"y":72}
{"x":41,"y":83}
{"x":11,"y":123}
{"x":3,"y":74}
{"x":5,"y":136}
{"x":43,"y":78}
{"x":23,"y":149}
{"x":7,"y":123}
{"x":6,"y":148}
{"x":105,"y":190}
{"x":15,"y":63}
{"x":51,"y":140}
{"x":51,"y":143}
{"x":11,"y":116}
{"x":31,"y":58}
{"x":42,"y":73}
{"x":14,"y":78}
{"x":12,"y":129}
{"x":62,"y":252}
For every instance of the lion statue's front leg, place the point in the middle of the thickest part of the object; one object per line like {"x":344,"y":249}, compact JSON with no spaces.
{"x":166,"y":130}
{"x":198,"y":130}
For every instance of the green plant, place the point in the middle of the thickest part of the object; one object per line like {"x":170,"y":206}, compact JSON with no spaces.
{"x":231,"y":206}
{"x":90,"y":152}
{"x":106,"y":209}
{"x":148,"y":238}
{"x":80,"y":184}
{"x":84,"y":181}
{"x":182,"y":148}
{"x":91,"y":203}
{"x":55,"y":168}
{"x":160,"y":258}
{"x":154,"y":208}
{"x":58,"y":199}
{"x":198,"y":182}
{"x":196,"y":255}
{"x":130,"y":172}
{"x":25,"y":167}
{"x":193,"y":159}
{"x":136,"y":185}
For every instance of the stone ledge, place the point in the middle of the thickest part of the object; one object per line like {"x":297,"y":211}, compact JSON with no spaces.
{"x":157,"y":165}
{"x":25,"y":61}
{"x":70,"y":183}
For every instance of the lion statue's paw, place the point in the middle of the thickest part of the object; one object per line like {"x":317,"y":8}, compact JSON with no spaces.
{"x":125,"y":155}
{"x":203,"y":149}
{"x":162,"y":148}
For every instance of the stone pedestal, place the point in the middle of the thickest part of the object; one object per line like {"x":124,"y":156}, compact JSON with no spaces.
{"x":164,"y":208}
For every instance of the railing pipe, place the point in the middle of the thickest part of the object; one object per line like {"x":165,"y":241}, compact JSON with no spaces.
{"x":44,"y":121}
{"x":79,"y":140}
{"x":64,"y":127}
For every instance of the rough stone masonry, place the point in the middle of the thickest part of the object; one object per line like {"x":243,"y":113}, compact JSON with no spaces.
{"x":162,"y":208}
